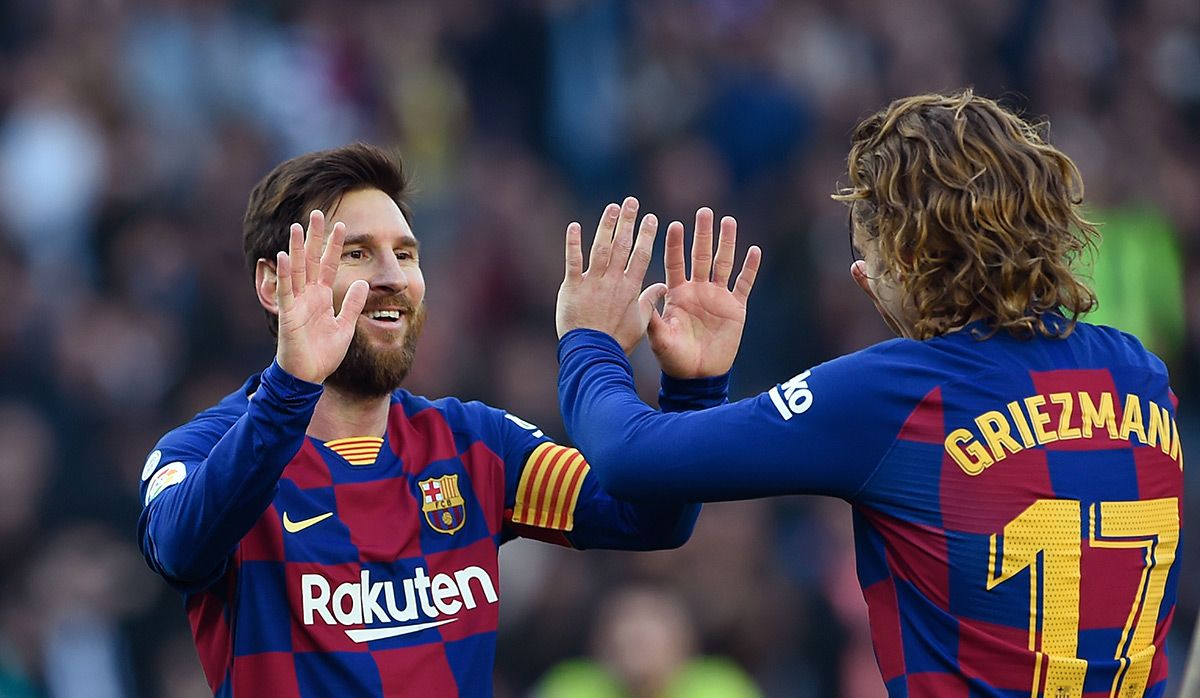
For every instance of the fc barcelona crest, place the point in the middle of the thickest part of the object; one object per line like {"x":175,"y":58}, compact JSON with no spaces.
{"x":442,"y":503}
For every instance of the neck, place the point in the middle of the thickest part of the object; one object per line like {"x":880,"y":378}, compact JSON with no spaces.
{"x":977,"y":315}
{"x":340,"y":415}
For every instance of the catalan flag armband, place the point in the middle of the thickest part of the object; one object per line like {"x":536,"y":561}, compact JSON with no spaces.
{"x":549,"y":488}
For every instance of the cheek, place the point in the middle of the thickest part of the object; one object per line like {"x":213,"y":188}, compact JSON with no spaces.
{"x":887,"y":293}
{"x":416,"y":286}
{"x":341,"y":283}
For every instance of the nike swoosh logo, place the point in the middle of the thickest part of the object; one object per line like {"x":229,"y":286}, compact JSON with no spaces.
{"x":368,"y":634}
{"x":298,"y":526}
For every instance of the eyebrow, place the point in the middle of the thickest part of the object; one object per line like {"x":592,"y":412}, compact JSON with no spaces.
{"x":365,"y":238}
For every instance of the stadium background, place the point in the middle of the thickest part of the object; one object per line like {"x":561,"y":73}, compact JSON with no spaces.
{"x":132,"y":131}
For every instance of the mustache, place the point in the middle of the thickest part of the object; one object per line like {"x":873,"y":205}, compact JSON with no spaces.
{"x":390,"y":302}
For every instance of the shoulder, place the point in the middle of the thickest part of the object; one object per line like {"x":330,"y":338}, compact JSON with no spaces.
{"x":1106,"y":344}
{"x":900,"y":360}
{"x":450,"y":407}
{"x":459,"y":415}
{"x":877,"y":381}
{"x":469,"y":422}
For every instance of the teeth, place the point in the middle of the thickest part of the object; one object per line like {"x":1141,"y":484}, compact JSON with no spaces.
{"x":384,"y":314}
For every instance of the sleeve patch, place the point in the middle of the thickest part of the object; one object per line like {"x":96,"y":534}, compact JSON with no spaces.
{"x":170,"y":474}
{"x":151,"y":463}
{"x":551,"y":481}
{"x":531,"y":428}
{"x":793,"y":397}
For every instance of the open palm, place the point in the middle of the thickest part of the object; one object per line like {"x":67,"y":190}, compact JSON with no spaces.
{"x":605,"y":297}
{"x":700,"y":329}
{"x":313,"y":339}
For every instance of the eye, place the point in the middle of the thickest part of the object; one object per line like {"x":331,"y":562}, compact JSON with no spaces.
{"x":354,"y":254}
{"x":404,"y":255}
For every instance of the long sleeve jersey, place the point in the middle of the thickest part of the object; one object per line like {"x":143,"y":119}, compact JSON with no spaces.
{"x":367,"y":566}
{"x":1017,"y":503}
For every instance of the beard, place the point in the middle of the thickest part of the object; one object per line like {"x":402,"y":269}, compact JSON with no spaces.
{"x":374,"y":372}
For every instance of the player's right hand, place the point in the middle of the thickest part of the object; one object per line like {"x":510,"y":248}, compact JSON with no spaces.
{"x":700,"y":328}
{"x":313,"y":339}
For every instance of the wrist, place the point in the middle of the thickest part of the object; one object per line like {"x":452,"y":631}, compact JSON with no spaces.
{"x":683,"y":394}
{"x":286,"y":386}
{"x":295,"y":369}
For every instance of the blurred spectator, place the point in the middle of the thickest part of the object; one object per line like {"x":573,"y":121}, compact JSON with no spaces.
{"x":644,"y":647}
{"x":27,"y":460}
{"x":1138,"y":278}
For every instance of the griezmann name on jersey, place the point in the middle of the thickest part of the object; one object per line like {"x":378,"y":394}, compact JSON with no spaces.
{"x":1017,"y":503}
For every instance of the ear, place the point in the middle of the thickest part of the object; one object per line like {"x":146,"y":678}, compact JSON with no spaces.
{"x":858,"y":272}
{"x":265,"y":281}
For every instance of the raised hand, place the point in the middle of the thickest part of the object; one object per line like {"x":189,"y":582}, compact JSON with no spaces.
{"x":313,"y":339}
{"x":605,"y":297}
{"x":700,"y":328}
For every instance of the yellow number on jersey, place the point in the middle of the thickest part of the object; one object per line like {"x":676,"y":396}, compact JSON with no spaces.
{"x":1049,"y":531}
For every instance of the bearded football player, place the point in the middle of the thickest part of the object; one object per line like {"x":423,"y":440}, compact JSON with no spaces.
{"x":331,"y":533}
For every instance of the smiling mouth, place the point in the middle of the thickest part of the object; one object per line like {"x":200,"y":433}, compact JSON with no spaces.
{"x":385,"y":315}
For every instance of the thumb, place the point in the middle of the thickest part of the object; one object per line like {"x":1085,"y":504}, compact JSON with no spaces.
{"x":650,"y":299}
{"x":648,"y":304}
{"x":354,"y":302}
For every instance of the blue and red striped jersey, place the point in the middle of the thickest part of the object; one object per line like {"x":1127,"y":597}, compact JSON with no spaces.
{"x":364,"y":566}
{"x":1017,"y":502}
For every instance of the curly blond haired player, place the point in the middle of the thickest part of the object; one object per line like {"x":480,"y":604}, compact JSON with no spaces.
{"x":1015,"y":473}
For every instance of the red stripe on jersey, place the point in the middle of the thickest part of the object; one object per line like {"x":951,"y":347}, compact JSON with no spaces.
{"x":1094,"y":382}
{"x":206,"y":614}
{"x":915,"y":553}
{"x":541,"y":485}
{"x":1157,"y":475}
{"x":485,"y":470}
{"x":525,"y":508}
{"x":884,"y":614}
{"x":256,"y":671}
{"x":321,"y":636}
{"x":485,"y":616}
{"x":552,"y":490}
{"x":265,"y":539}
{"x":997,"y":654}
{"x":1110,"y":582}
{"x":925,"y":424}
{"x":420,"y":439}
{"x":422,"y":670}
{"x":574,"y":487}
{"x":985,"y":503}
{"x":545,"y":535}
{"x":382,"y":517}
{"x":929,"y":685}
{"x":308,"y":469}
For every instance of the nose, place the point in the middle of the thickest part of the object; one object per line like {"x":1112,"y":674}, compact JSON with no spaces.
{"x":389,"y":275}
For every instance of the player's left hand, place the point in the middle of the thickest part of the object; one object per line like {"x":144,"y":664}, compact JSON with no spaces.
{"x":700,"y":329}
{"x":606,"y":296}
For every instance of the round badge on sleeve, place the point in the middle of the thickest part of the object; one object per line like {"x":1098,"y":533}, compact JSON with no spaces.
{"x":151,"y":463}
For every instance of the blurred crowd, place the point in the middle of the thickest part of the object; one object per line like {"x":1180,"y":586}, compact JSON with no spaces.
{"x":131,"y":132}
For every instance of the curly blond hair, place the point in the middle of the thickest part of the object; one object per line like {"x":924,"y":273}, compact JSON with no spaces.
{"x":973,"y":212}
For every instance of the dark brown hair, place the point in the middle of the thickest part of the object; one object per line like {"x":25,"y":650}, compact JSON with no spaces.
{"x":315,"y":180}
{"x":973,"y":212}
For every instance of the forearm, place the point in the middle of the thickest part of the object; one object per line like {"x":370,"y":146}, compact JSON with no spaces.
{"x":646,"y":525}
{"x":188,"y":530}
{"x":749,"y":448}
{"x":637,"y":453}
{"x":602,"y":414}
